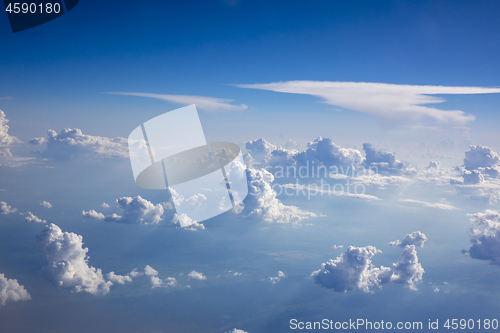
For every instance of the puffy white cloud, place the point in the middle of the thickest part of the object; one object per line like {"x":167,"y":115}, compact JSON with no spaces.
{"x":327,"y":153}
{"x":235,"y":330}
{"x":72,"y":142}
{"x":433,"y":165}
{"x":5,"y":138}
{"x":276,"y":279}
{"x":46,"y":204}
{"x":472,"y":177}
{"x":202,"y":102}
{"x":416,"y":238}
{"x":480,"y":157}
{"x":6,"y":209}
{"x":68,"y":262}
{"x":186,"y":222}
{"x":156,"y":282}
{"x":11,"y":290}
{"x":197,"y":275}
{"x":408,"y":270}
{"x":382,"y":162}
{"x":262,"y":202}
{"x":104,"y":205}
{"x":36,"y":141}
{"x":30,"y":217}
{"x":392,"y":103}
{"x":352,"y":270}
{"x":485,"y":236}
{"x":120,"y":279}
{"x":133,"y":210}
{"x":335,"y":247}
{"x":92,"y":214}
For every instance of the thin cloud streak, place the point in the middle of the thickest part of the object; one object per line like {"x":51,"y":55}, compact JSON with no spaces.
{"x":204,"y":103}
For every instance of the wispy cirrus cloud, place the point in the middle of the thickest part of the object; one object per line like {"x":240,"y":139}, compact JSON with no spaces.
{"x":204,"y":103}
{"x":392,"y":103}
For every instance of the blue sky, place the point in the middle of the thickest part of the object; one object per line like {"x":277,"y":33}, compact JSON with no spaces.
{"x":105,"y":68}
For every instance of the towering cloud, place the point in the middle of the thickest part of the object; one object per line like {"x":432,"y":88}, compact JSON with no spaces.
{"x":485,"y":236}
{"x":262,"y":203}
{"x":408,"y":270}
{"x":68,"y":262}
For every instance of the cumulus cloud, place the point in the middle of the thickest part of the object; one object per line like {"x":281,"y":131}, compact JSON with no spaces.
{"x":335,"y":247}
{"x":186,"y":222}
{"x":480,"y":157}
{"x":408,"y":270}
{"x":92,"y":214}
{"x":276,"y":279}
{"x":36,"y":141}
{"x":352,"y":270}
{"x":6,"y":209}
{"x":133,"y":210}
{"x":197,"y":275}
{"x":416,"y":238}
{"x":485,"y":236}
{"x":120,"y":279}
{"x":11,"y":290}
{"x":262,"y":202}
{"x":30,"y":217}
{"x":391,"y":103}
{"x":68,"y":262}
{"x":235,"y":330}
{"x":46,"y":204}
{"x":5,"y":138}
{"x":72,"y":142}
{"x":104,"y":205}
{"x":383,"y":162}
{"x":204,"y":103}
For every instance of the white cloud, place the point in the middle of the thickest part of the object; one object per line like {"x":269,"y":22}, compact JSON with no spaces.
{"x":11,"y":290}
{"x":72,"y":142}
{"x":68,"y":262}
{"x":5,"y":138}
{"x":440,"y":205}
{"x":391,"y":103}
{"x":6,"y":209}
{"x":92,"y":214}
{"x":104,"y":205}
{"x":46,"y":204}
{"x":133,"y":210}
{"x":416,"y":238}
{"x":235,"y":330}
{"x":408,"y":270}
{"x":382,"y":162}
{"x":352,"y":270}
{"x":120,"y":279}
{"x":276,"y":279}
{"x":480,"y":157}
{"x":36,"y":141}
{"x":156,"y":282}
{"x":186,"y":222}
{"x":197,"y":275}
{"x":204,"y":103}
{"x":262,"y":203}
{"x":30,"y":217}
{"x":335,"y":247}
{"x":485,"y":236}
